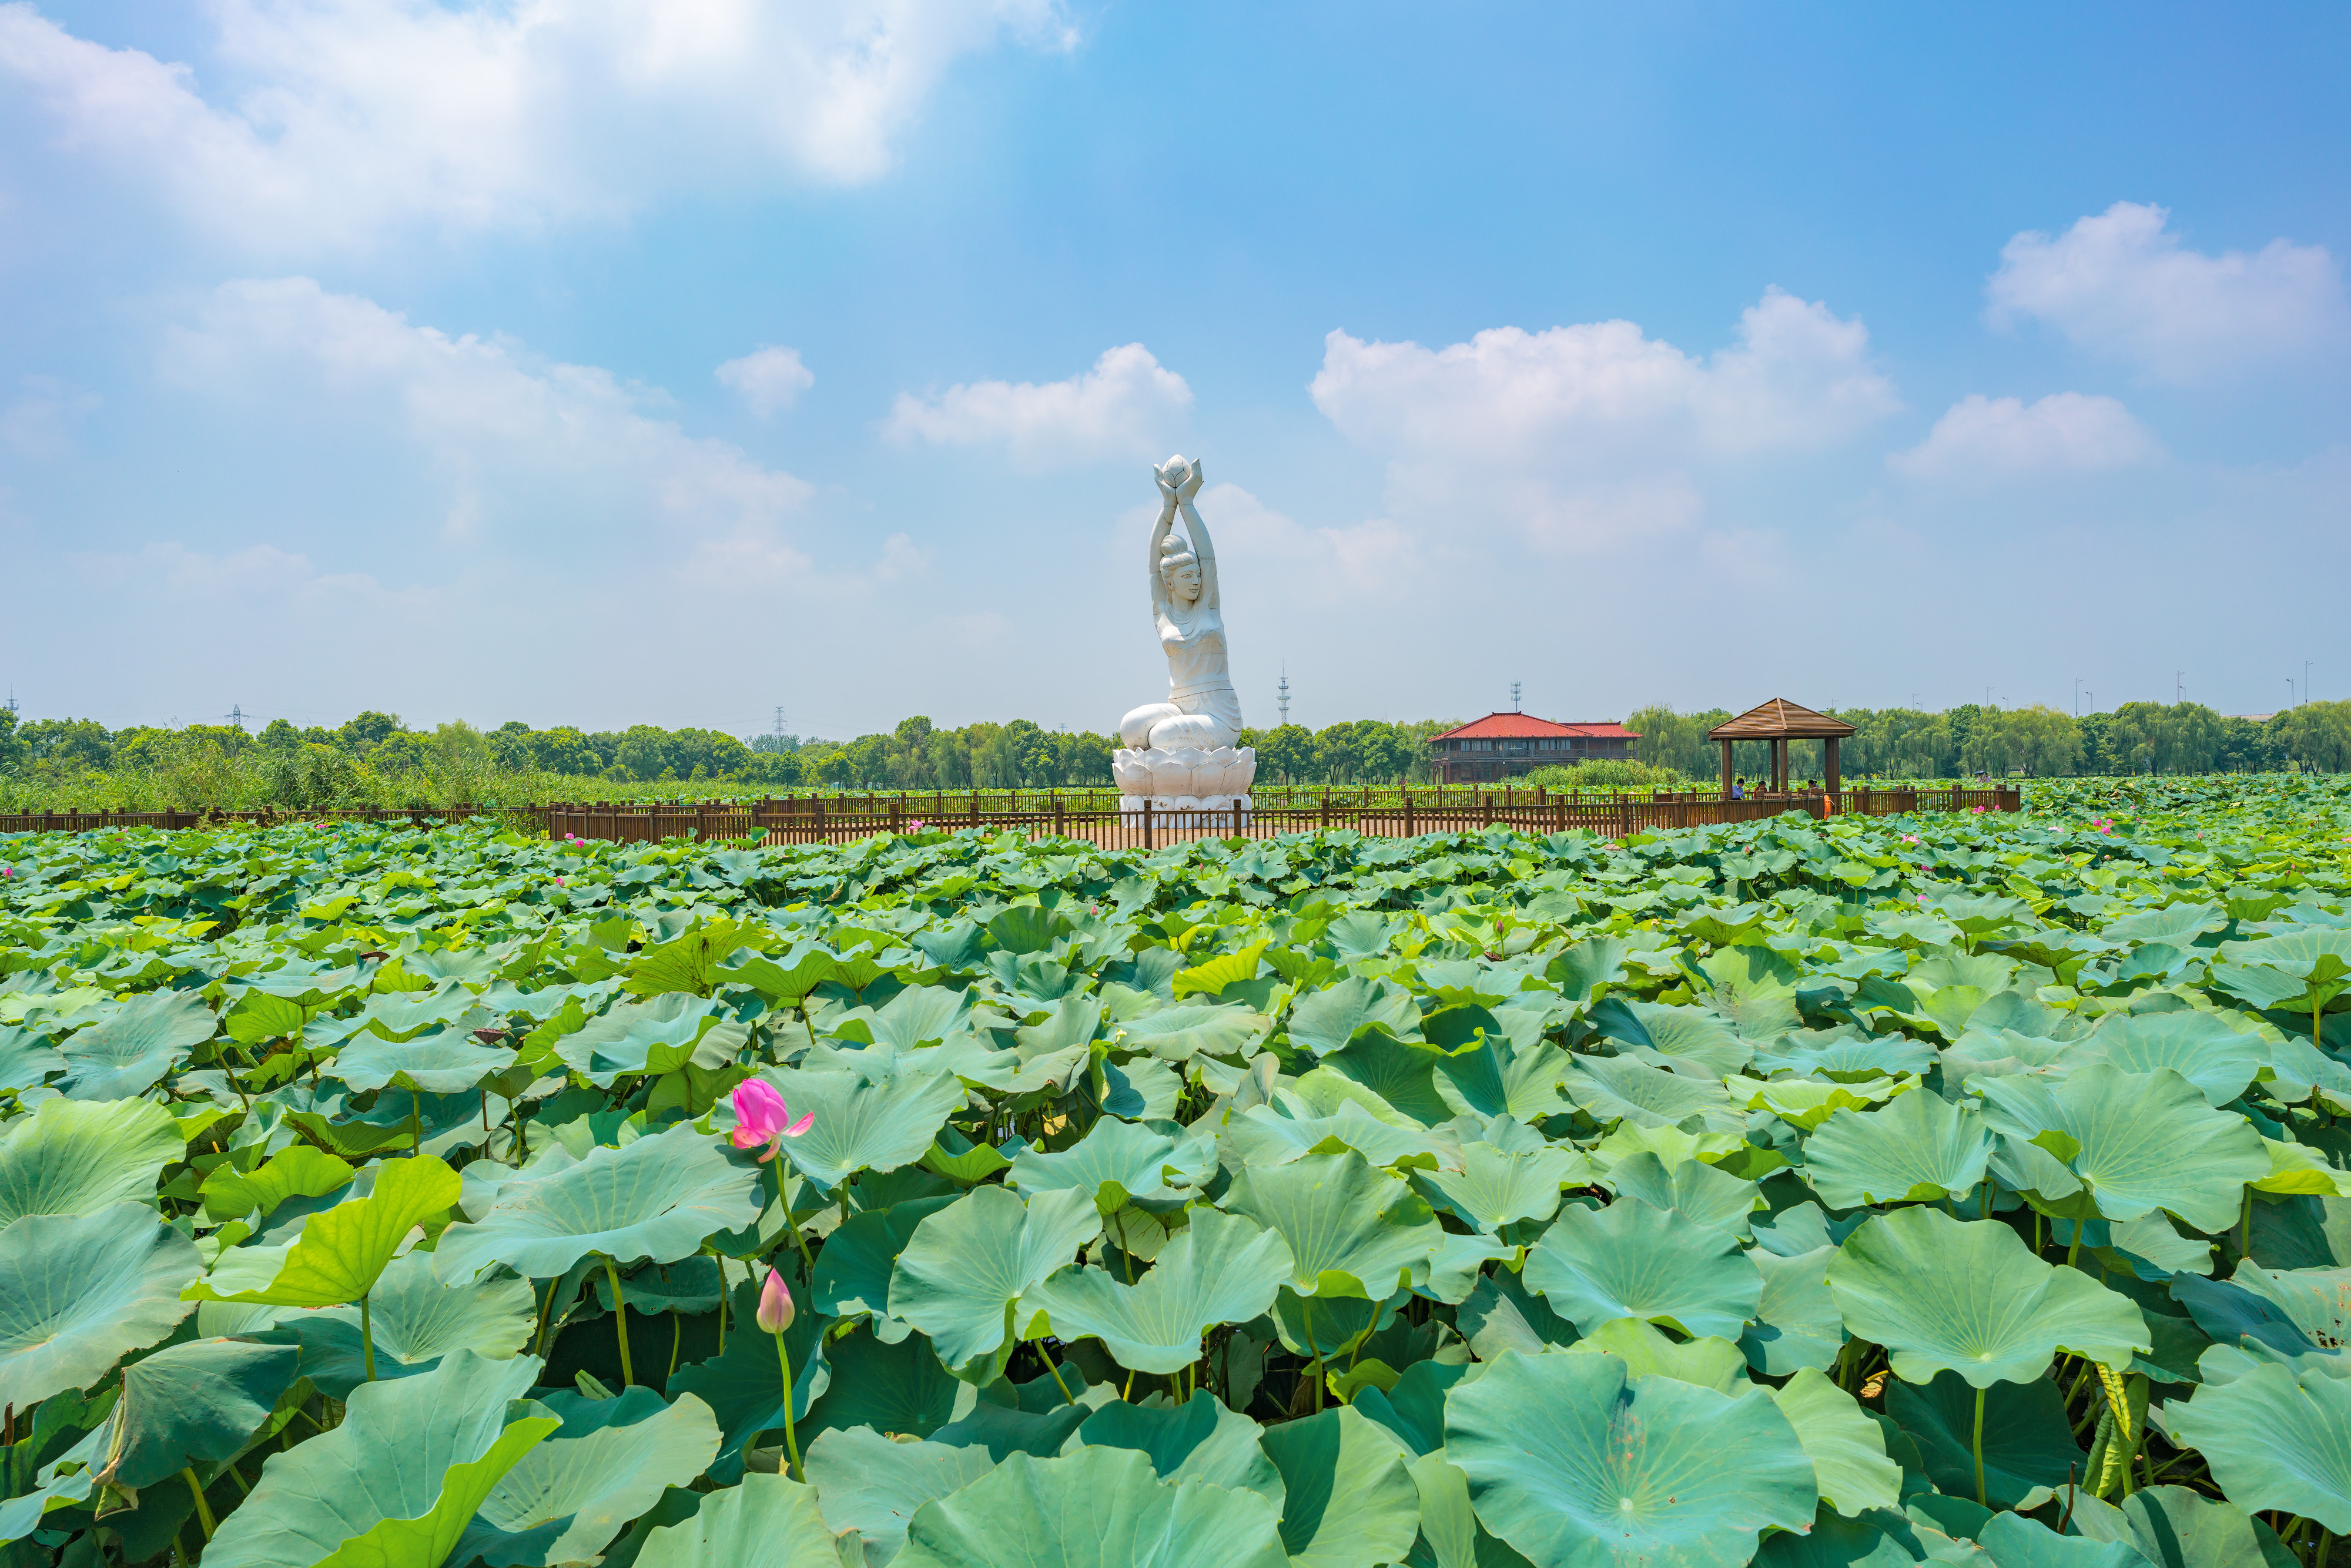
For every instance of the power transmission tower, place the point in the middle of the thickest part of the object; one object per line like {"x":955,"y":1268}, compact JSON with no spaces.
{"x":237,"y":714}
{"x":1514,"y":697}
{"x":780,"y":721}
{"x":1283,"y":702}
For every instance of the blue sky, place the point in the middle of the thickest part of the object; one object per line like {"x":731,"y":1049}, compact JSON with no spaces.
{"x":617,"y":362}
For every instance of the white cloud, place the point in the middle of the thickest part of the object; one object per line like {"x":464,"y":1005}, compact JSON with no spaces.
{"x":769,"y":379}
{"x":1596,"y":434}
{"x":2121,"y":284}
{"x":325,"y":120}
{"x":1980,"y":438}
{"x":40,"y":424}
{"x":1127,"y":405}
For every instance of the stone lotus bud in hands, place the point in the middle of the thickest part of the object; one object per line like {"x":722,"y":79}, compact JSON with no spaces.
{"x":1179,"y":478}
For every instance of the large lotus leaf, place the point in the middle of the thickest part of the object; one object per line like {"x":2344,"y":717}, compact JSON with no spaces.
{"x":415,"y":1320}
{"x":342,"y":1250}
{"x":1698,"y":1191}
{"x":1576,"y":1465}
{"x":1021,"y":1426}
{"x":867,"y":1482}
{"x":1630,"y":1260}
{"x":1710,"y":1362}
{"x":2176,"y":1528}
{"x":1325,"y":1021}
{"x":1347,"y":1497}
{"x":1198,"y":1439}
{"x":1266,"y":1136}
{"x":2018,"y":1540}
{"x":962,"y":1274}
{"x":1840,"y":1542}
{"x":659,"y":1197}
{"x":199,"y":1400}
{"x":1412,"y":1408}
{"x":1692,"y":1041}
{"x":1843,"y":1054}
{"x":1847,"y":1449}
{"x":1806,"y":1103}
{"x":1614,"y":1088}
{"x":915,"y":1017}
{"x":2198,"y":1046}
{"x":1352,"y":1230}
{"x":1502,"y":1313}
{"x":2027,"y":1443}
{"x":1403,"y":1076}
{"x":2275,"y":1441}
{"x":852,"y":1273}
{"x":1098,"y":1508}
{"x":26,"y":1058}
{"x":2315,"y":1300}
{"x":77,"y":1156}
{"x":862,"y":1124}
{"x":1796,"y":1322}
{"x":447,"y":1062}
{"x":1969,"y":1296}
{"x":744,"y":1385}
{"x":1921,"y":1148}
{"x":1493,"y":1189}
{"x":1154,"y":1165}
{"x":1753,"y":988}
{"x":2136,"y":1141}
{"x":609,"y":1462}
{"x":901,"y":1387}
{"x":300,"y":1170}
{"x":79,"y":1291}
{"x":1180,"y":1033}
{"x":772,"y":1521}
{"x":649,"y":1038}
{"x":1222,"y":1269}
{"x":127,"y":1052}
{"x":395,"y":1484}
{"x":1493,"y":1077}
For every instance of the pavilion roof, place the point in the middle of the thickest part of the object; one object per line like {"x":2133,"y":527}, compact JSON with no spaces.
{"x":1780,"y":719}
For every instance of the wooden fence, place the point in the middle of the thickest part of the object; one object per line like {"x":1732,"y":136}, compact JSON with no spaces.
{"x":842,"y":818}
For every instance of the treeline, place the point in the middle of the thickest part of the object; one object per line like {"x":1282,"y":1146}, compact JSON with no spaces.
{"x":375,"y":759}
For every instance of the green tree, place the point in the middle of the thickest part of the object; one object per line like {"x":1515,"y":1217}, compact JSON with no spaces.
{"x":69,"y":742}
{"x":2316,"y":735}
{"x":1286,"y":755}
{"x":281,"y":737}
{"x":369,"y":729}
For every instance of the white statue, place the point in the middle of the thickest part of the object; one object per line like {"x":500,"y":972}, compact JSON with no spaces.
{"x":1180,"y":754}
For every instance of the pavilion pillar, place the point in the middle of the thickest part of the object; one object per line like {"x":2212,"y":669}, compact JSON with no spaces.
{"x":1726,"y":770}
{"x":1830,"y":781}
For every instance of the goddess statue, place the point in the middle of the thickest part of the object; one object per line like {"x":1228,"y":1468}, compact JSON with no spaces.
{"x":1180,"y":754}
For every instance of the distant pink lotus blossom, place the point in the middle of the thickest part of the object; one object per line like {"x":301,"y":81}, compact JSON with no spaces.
{"x":560,"y":883}
{"x":762,"y":1117}
{"x":915,"y":826}
{"x":1909,"y":838}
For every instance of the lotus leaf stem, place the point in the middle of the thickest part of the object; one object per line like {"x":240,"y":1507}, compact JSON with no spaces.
{"x":203,"y":1509}
{"x":1306,"y":1304}
{"x":367,"y":1339}
{"x":791,"y":1438}
{"x":676,"y":1338}
{"x":2245,"y":1230}
{"x":620,"y":1317}
{"x":1047,"y":1357}
{"x":1980,"y":1480}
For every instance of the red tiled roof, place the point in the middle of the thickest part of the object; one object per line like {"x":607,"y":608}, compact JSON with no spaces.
{"x":1527,"y":726}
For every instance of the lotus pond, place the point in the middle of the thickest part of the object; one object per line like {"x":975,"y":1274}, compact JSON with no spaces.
{"x":1867,"y":1192}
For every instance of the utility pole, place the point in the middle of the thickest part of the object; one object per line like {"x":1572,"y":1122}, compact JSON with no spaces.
{"x":2178,"y":688}
{"x":1282,"y":702}
{"x":2077,"y":696}
{"x":2305,"y":680}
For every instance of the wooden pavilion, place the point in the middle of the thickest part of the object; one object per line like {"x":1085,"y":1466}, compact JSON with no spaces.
{"x":1781,"y":721}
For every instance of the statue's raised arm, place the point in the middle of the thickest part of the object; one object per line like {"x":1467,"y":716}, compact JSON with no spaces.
{"x":1181,"y":752}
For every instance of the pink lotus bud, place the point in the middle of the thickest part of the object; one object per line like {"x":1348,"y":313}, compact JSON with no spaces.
{"x":776,"y":1309}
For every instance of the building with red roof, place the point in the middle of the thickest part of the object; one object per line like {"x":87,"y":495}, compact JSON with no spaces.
{"x":1504,"y":745}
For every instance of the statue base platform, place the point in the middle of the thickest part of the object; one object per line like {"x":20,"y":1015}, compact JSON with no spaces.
{"x":1192,"y":779}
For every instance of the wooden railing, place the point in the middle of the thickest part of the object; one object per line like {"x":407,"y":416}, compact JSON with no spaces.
{"x":808,"y":819}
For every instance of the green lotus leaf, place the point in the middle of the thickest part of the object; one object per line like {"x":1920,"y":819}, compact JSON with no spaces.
{"x":1577,"y":1466}
{"x":1180,"y":1033}
{"x":915,"y":1017}
{"x":901,"y":1387}
{"x":659,"y":1197}
{"x":2299,"y":1168}
{"x":1646,"y":1351}
{"x":772,"y":1521}
{"x":2174,"y":1527}
{"x":1327,"y":1020}
{"x":2027,"y":1439}
{"x":1848,"y":1449}
{"x":397,"y":1481}
{"x":1221,"y":1268}
{"x":1154,"y":1165}
{"x":197,"y":1401}
{"x":1007,"y":1420}
{"x":1691,"y":1040}
{"x":2134,"y":1141}
{"x":1839,"y":1543}
{"x":1806,"y":1103}
{"x":342,"y":1250}
{"x":1347,"y":1497}
{"x":1403,"y":1077}
{"x":1493,"y":1077}
{"x":1196,"y":1440}
{"x":392,"y":1015}
{"x":2018,"y":1540}
{"x":1969,"y":1296}
{"x":447,"y":1062}
{"x":78,"y":1157}
{"x":1493,"y":1189}
{"x":1098,"y":1508}
{"x":861,"y":1124}
{"x":786,"y":980}
{"x":415,"y":1320}
{"x":609,"y":1462}
{"x":962,"y":1276}
{"x":650,"y":1038}
{"x":2274,"y":1440}
{"x":1614,"y":1088}
{"x":1920,"y":1148}
{"x":1699,"y":1192}
{"x":1630,"y":1260}
{"x":127,"y":1053}
{"x":2315,"y":1300}
{"x":1796,"y":1322}
{"x":297,"y":1171}
{"x":1843,"y":1054}
{"x":1755,"y":990}
{"x":1352,"y":1230}
{"x":2198,"y":1046}
{"x":852,"y":1273}
{"x":26,"y":1058}
{"x":744,"y":1385}
{"x":1502,"y":1313}
{"x":1268,"y":1135}
{"x":80,"y":1292}
{"x":867,"y":1482}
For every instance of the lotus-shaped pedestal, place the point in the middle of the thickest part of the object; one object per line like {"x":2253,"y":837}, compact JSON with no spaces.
{"x":1186,"y":780}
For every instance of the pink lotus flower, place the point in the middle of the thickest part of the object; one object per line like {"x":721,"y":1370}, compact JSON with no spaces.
{"x":761,"y":1117}
{"x":915,"y":826}
{"x":1909,"y":838}
{"x":560,"y":883}
{"x":776,"y":1310}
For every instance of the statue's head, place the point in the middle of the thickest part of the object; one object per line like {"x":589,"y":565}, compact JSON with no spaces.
{"x":1179,"y":569}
